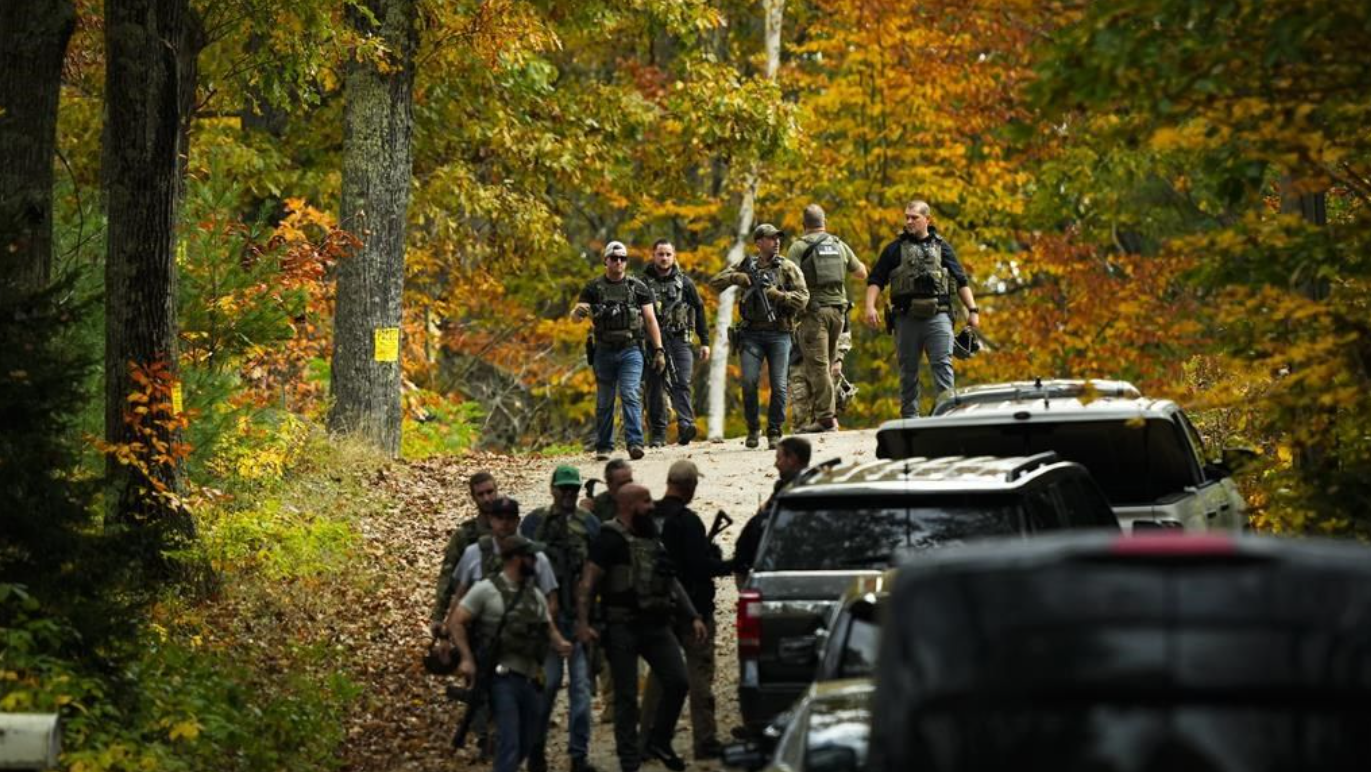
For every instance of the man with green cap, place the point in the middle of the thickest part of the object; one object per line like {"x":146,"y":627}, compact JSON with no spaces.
{"x":566,"y":531}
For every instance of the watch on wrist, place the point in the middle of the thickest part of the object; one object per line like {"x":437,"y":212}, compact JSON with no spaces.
{"x":973,"y":310}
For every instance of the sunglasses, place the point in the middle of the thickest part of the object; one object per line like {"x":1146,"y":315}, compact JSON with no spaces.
{"x":619,"y":258}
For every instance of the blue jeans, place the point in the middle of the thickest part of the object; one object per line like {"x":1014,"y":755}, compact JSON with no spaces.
{"x":774,"y":347}
{"x":618,"y":370}
{"x":515,"y":705}
{"x":915,"y":338}
{"x":578,"y":694}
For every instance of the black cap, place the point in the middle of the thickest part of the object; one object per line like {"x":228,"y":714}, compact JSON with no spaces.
{"x":504,"y":507}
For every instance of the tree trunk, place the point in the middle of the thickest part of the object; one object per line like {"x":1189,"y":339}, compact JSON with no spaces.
{"x":33,"y":43}
{"x":718,"y":366}
{"x":378,"y":125}
{"x":143,"y":92}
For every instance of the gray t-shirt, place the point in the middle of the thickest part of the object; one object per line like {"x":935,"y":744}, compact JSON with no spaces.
{"x":469,"y":572}
{"x":487,"y":605}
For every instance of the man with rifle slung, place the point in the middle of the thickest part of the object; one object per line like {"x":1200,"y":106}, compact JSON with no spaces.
{"x":680,"y":312}
{"x":698,"y":561}
{"x":774,"y":293}
{"x":516,"y":631}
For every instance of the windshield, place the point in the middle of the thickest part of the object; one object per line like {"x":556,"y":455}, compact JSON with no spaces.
{"x":1133,"y":463}
{"x":847,"y":533}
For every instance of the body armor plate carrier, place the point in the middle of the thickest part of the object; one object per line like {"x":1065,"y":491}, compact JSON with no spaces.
{"x":668,"y":295}
{"x":618,"y":320}
{"x":648,"y":575}
{"x":525,"y":633}
{"x":921,"y":273}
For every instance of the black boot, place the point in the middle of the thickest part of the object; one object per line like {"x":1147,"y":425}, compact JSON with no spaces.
{"x":537,"y":758}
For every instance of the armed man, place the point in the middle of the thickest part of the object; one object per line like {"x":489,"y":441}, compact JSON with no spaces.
{"x":792,"y":456}
{"x":825,"y":261}
{"x":620,"y":307}
{"x":482,"y":560}
{"x":483,"y":491}
{"x":698,"y":562}
{"x":515,"y":626}
{"x":630,"y":571}
{"x":566,"y":532}
{"x":618,"y":473}
{"x":680,"y":312}
{"x":774,"y":293}
{"x":922,"y":271}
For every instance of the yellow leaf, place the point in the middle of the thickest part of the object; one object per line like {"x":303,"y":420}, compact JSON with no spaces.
{"x":185,"y":730}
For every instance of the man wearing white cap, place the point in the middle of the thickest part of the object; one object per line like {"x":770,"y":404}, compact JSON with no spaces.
{"x":620,"y":307}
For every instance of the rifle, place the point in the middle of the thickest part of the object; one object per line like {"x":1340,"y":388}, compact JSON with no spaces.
{"x":760,"y":282}
{"x":721,"y":523}
{"x":478,"y":696}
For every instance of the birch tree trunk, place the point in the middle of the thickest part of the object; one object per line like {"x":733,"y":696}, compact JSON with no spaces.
{"x":718,"y":365}
{"x":377,"y":161}
{"x":33,"y":43}
{"x":144,"y":90}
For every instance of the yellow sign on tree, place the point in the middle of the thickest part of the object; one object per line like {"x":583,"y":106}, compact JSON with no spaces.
{"x":387,"y":344}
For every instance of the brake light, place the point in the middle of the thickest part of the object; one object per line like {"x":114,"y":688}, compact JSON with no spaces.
{"x":749,"y":624}
{"x":1180,"y":544}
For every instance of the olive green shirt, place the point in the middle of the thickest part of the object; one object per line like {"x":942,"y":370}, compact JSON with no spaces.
{"x":820,"y":297}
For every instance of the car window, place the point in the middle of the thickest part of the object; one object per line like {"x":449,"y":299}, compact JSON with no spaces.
{"x":847,"y":533}
{"x":859,"y":648}
{"x":1195,"y":441}
{"x":1042,"y":509}
{"x":1084,"y":505}
{"x":1133,"y":464}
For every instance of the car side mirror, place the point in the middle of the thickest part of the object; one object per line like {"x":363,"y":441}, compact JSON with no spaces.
{"x":831,"y":758}
{"x":1238,"y":459}
{"x":748,"y":756}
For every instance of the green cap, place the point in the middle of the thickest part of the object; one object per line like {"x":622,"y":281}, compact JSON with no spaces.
{"x":766,"y":229}
{"x":515,"y":544}
{"x":566,"y":474}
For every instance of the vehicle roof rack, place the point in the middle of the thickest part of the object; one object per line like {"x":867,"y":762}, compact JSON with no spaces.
{"x":1032,"y":462}
{"x":805,"y":475}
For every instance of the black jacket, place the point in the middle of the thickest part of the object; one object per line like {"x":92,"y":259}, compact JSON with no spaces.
{"x":687,"y":544}
{"x":689,"y":295}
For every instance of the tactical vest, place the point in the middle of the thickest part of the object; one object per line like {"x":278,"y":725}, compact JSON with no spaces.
{"x":921,"y":273}
{"x":751,"y":308}
{"x":567,"y":545}
{"x":823,"y":264}
{"x":525,"y":632}
{"x":618,"y":319}
{"x":491,"y":562}
{"x":668,"y":297}
{"x":648,"y":575}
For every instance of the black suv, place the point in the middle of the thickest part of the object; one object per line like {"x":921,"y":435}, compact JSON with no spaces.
{"x":1159,"y":652}
{"x":845,"y":521}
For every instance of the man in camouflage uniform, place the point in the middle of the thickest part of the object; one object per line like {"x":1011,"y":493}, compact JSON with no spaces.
{"x":620,"y":308}
{"x":923,"y":273}
{"x":825,"y":261}
{"x":483,"y":491}
{"x":680,"y":312}
{"x":566,"y":531}
{"x":760,"y":338}
{"x":630,"y":572}
{"x":515,"y":623}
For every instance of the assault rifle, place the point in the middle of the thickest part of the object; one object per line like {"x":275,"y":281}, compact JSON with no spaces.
{"x":721,"y":523}
{"x":760,"y":282}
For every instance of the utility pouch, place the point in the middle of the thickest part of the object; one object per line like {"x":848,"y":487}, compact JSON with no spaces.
{"x":733,"y":339}
{"x":922,"y":308}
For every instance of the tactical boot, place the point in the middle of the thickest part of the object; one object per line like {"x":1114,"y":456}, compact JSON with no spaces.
{"x":582,"y":765}
{"x":656,"y":442}
{"x":635,"y":452}
{"x":685,"y":433}
{"x":537,"y":758}
{"x":753,"y":436}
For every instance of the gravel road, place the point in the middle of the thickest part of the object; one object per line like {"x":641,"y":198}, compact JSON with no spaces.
{"x":736,"y":480}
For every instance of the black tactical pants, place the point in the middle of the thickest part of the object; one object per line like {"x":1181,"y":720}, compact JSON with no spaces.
{"x":678,"y":348}
{"x":624,"y":643}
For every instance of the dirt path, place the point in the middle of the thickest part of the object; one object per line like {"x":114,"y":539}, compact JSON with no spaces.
{"x":404,"y":722}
